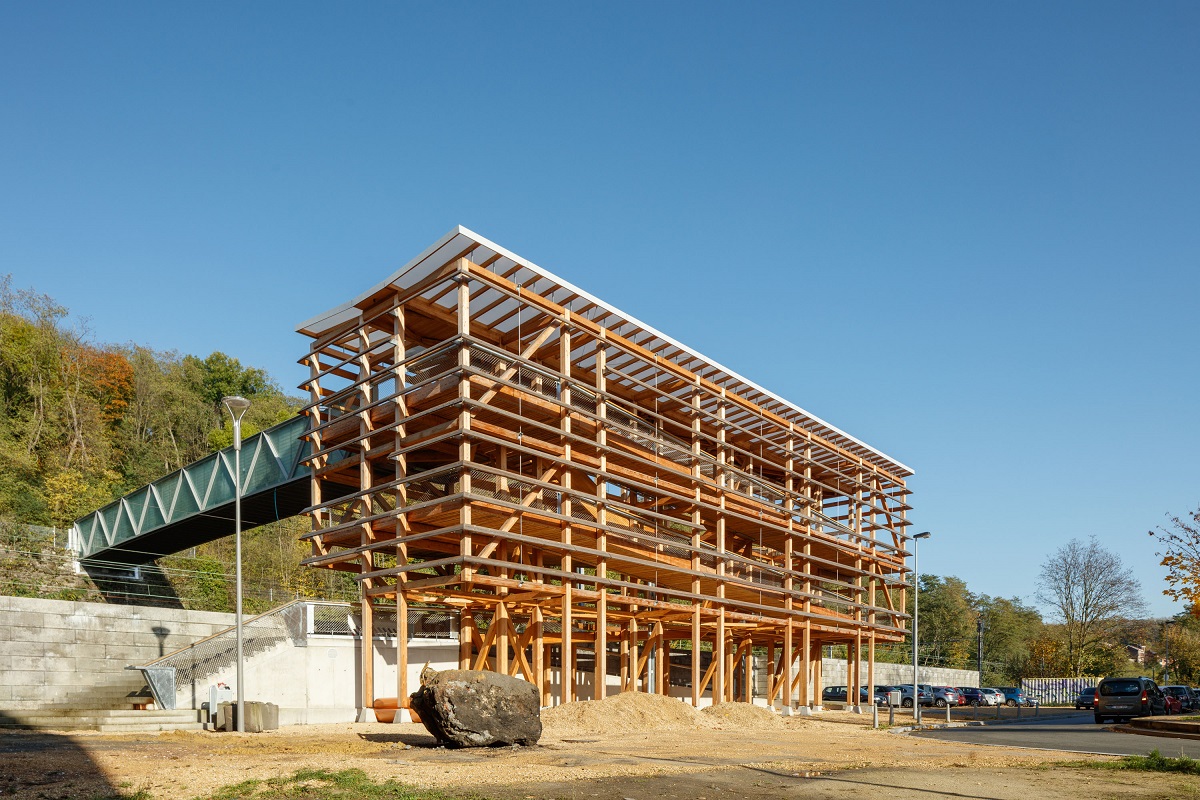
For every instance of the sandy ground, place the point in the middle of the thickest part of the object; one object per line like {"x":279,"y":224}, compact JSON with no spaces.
{"x":630,"y":746}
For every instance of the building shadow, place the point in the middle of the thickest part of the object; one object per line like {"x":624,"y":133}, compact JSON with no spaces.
{"x":144,"y":585}
{"x":49,"y":766}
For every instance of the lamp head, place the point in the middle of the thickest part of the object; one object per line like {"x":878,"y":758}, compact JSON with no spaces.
{"x":237,"y":405}
{"x":922,"y":535}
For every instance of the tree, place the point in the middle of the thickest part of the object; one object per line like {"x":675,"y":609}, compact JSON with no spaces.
{"x":1011,"y":631}
{"x":947,"y":622}
{"x":1089,"y":589}
{"x":1184,"y":644}
{"x":1181,"y":540}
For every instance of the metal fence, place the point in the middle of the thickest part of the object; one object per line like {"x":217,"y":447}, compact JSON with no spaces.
{"x":1058,"y":691}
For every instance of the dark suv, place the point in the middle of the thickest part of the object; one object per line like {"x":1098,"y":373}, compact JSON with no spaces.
{"x":1124,"y":698}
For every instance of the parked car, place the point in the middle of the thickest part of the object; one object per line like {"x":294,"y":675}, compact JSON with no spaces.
{"x":1174,"y":704}
{"x":975,"y":696}
{"x":833,"y":694}
{"x":1086,"y":698}
{"x":837,"y":694}
{"x":881,"y":695}
{"x":944,"y":696}
{"x":1188,"y":701}
{"x":1015,"y":696}
{"x":997,"y":696}
{"x":906,"y":695}
{"x":1125,"y":698}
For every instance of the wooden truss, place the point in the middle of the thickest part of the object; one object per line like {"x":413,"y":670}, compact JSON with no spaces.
{"x":598,"y":503}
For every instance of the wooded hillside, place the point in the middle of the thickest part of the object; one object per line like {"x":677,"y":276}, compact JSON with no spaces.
{"x":82,"y":423}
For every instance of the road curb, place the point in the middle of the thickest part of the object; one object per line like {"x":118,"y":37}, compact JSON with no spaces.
{"x":1165,"y":730}
{"x":975,"y":723}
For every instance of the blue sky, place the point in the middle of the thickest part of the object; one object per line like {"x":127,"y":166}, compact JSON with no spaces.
{"x":965,"y":233}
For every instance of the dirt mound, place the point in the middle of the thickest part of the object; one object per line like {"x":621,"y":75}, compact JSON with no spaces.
{"x":628,"y":712}
{"x":743,"y":716}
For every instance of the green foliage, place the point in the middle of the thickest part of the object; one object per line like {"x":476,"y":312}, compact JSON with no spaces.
{"x":81,"y":424}
{"x":320,"y":784}
{"x":140,"y":794}
{"x":1010,"y":630}
{"x":947,"y":621}
{"x":1154,"y":761}
{"x":208,"y":589}
{"x":949,"y":633}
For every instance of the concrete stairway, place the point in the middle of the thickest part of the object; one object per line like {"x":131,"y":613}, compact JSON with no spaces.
{"x":107,"y":706}
{"x":107,"y":720}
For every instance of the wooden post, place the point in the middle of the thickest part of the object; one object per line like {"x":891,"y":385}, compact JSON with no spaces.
{"x":600,"y":676}
{"x":401,"y":653}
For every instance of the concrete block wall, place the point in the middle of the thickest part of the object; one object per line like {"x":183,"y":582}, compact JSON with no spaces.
{"x":60,"y":651}
{"x":834,"y":672}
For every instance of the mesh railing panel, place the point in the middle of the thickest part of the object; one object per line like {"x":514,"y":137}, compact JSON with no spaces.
{"x":429,"y":364}
{"x":421,"y":488}
{"x":504,"y":368}
{"x":513,"y":490}
{"x":218,"y":653}
{"x":332,"y":620}
{"x":423,"y":623}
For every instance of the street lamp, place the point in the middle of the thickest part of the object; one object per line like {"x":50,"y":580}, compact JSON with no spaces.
{"x":979,"y":646}
{"x":1167,"y":651}
{"x":237,"y":406}
{"x":916,"y":601}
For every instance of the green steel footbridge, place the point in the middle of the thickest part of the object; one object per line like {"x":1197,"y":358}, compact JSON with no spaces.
{"x":195,"y":504}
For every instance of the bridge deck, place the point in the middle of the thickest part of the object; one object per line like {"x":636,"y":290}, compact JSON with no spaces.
{"x":195,"y":504}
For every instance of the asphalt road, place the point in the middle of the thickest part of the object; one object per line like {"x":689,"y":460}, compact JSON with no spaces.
{"x":1078,"y":734}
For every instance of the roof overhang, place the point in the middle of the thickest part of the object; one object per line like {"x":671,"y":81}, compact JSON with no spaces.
{"x":460,"y":241}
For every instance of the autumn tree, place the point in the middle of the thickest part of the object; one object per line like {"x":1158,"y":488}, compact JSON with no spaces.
{"x":1089,"y":589}
{"x":1180,"y":540}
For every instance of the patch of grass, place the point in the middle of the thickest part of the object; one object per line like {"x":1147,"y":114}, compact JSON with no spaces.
{"x":1153,"y":761}
{"x":141,"y":794}
{"x":321,"y":784}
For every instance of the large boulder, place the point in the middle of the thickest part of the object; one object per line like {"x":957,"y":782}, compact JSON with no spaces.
{"x":472,"y":708}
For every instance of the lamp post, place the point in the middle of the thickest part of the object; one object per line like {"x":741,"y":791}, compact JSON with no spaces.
{"x":1167,"y":650}
{"x":916,"y":602}
{"x":237,"y":406}
{"x":979,"y":647}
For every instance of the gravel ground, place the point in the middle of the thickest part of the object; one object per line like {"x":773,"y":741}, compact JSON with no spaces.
{"x":630,"y":746}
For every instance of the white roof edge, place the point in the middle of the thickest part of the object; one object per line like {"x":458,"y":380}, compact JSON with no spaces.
{"x":315,"y":322}
{"x":483,"y":240}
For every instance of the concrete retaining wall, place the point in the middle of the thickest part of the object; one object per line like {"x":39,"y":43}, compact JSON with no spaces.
{"x":835,"y":670}
{"x":55,"y":651}
{"x":59,"y":651}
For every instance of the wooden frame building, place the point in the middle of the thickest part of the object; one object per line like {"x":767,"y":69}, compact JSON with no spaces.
{"x":487,"y":438}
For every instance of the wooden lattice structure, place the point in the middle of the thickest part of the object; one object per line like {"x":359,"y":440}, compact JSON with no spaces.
{"x":490,"y":439}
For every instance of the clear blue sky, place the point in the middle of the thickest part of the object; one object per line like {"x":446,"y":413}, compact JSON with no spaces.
{"x":966,"y":233}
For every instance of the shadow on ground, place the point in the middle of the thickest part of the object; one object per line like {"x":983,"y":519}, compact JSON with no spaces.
{"x":75,"y":775}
